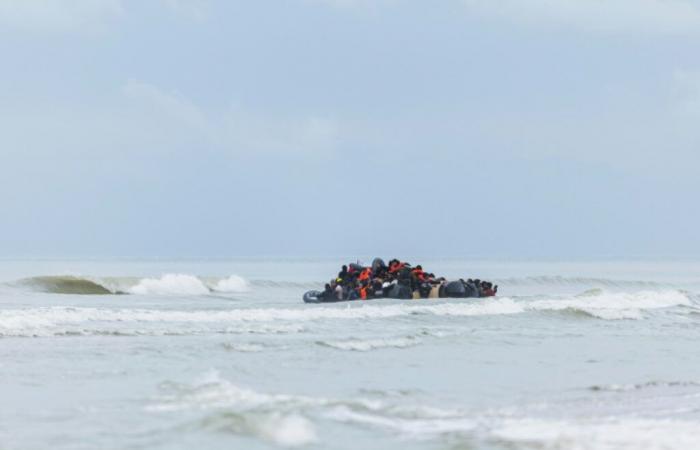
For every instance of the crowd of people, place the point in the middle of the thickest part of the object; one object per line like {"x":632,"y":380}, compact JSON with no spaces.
{"x":398,"y":279}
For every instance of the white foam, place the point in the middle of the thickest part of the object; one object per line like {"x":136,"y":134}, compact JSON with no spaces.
{"x":59,"y":321}
{"x":407,"y":421}
{"x":170,"y":284}
{"x":605,"y":434}
{"x":243,"y":347}
{"x":234,"y":283}
{"x":281,"y":419}
{"x":260,"y":415}
{"x":614,"y":306}
{"x":365,"y":345}
{"x":52,"y":316}
{"x":287,"y":430}
{"x":212,"y":391}
{"x":62,"y":320}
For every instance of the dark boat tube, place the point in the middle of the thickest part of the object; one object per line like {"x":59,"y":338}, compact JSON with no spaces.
{"x":313,"y":297}
{"x":399,"y":291}
{"x":455,"y":289}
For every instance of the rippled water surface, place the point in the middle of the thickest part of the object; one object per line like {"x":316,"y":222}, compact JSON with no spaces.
{"x":224,"y":354}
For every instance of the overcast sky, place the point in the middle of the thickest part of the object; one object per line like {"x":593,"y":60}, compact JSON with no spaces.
{"x":511,"y":128}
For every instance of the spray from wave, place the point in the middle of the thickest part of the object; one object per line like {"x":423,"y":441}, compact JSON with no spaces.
{"x":234,"y":283}
{"x":170,"y":284}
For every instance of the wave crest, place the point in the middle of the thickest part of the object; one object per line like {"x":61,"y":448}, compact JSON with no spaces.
{"x":614,"y":306}
{"x":365,"y":345}
{"x":66,"y":285}
{"x":168,"y":284}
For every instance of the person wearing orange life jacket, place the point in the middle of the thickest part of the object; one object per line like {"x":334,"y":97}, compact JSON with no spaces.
{"x":418,"y":273}
{"x":392,"y":265}
{"x":397,"y":267}
{"x":365,"y":275}
{"x":418,"y":278}
{"x":363,"y":292}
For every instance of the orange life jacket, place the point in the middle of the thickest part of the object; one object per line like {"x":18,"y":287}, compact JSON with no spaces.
{"x":364,"y":275}
{"x":397,"y":267}
{"x":363,"y":293}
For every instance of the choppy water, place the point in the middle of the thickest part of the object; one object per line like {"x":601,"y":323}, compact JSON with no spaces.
{"x":223,"y":354}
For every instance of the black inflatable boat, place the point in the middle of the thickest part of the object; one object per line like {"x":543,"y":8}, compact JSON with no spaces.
{"x":397,"y":280}
{"x":448,"y":289}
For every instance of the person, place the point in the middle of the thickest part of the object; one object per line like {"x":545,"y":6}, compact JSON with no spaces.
{"x":365,"y":275}
{"x":418,"y":273}
{"x":343,"y":274}
{"x":397,"y":266}
{"x":399,"y":278}
{"x":339,"y":294}
{"x":364,"y":291}
{"x":328,"y":292}
{"x":488,"y":289}
{"x":377,"y":287}
{"x":353,"y":293}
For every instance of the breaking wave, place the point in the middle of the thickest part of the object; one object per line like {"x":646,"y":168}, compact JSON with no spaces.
{"x":556,"y":280}
{"x":168,"y":284}
{"x":234,"y":283}
{"x":286,"y":430}
{"x":287,"y":420}
{"x":235,"y":406}
{"x":67,"y":285}
{"x":60,"y":320}
{"x":604,"y":433}
{"x":614,"y":306}
{"x":271,"y":418}
{"x":51,"y":320}
{"x":641,"y":386}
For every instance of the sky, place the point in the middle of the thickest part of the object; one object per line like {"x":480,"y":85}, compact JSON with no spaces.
{"x":466,"y":128}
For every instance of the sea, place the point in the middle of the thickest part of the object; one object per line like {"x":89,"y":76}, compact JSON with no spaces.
{"x":223,"y":354}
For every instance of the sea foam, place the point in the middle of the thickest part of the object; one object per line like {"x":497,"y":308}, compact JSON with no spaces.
{"x":170,"y":284}
{"x":613,"y":306}
{"x":234,"y":283}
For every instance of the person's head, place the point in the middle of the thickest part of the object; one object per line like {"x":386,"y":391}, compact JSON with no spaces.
{"x":345,"y":268}
{"x":328,"y":286}
{"x":419,"y":267}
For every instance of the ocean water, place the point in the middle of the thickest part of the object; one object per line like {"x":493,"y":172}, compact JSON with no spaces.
{"x":224,"y":354}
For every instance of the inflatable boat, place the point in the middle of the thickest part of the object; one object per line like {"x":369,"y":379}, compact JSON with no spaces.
{"x":449,"y":289}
